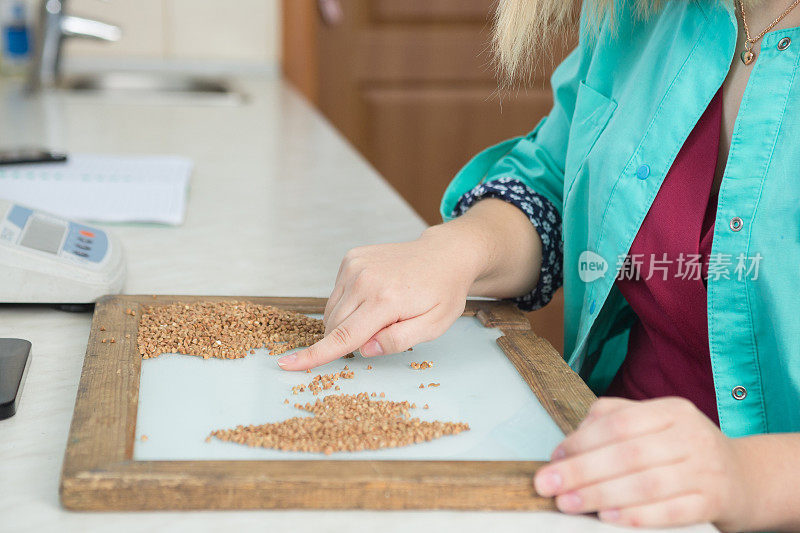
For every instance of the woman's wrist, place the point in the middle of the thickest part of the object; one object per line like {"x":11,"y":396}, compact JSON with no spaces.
{"x":498,"y":246}
{"x":738,"y":510}
{"x":465,"y":245}
{"x":765,"y":475}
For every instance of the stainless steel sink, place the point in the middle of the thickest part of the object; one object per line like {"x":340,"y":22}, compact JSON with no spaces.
{"x":130,"y":86}
{"x":158,"y":84}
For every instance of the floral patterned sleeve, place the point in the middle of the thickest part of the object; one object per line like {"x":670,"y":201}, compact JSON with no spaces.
{"x":544,"y":217}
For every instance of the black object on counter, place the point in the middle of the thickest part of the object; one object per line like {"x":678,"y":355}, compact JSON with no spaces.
{"x":15,"y":357}
{"x":20,"y":156}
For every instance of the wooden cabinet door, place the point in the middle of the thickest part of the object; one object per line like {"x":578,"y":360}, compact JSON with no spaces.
{"x":410,"y":84}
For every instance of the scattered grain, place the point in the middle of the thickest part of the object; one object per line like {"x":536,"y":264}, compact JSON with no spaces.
{"x":102,"y":328}
{"x":144,"y":438}
{"x":433,"y":384}
{"x":426,"y":406}
{"x":226,"y":330}
{"x":421,"y":366}
{"x":369,"y":367}
{"x":104,"y":340}
{"x":113,"y":340}
{"x":343,"y":422}
{"x":421,"y":385}
{"x":322,"y":382}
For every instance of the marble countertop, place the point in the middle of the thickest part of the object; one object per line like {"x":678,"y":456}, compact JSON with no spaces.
{"x":277,"y":197}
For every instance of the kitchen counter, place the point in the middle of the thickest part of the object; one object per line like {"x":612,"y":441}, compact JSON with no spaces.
{"x":277,"y":197}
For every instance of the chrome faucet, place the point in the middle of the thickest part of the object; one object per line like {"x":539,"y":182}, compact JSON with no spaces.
{"x":53,"y":27}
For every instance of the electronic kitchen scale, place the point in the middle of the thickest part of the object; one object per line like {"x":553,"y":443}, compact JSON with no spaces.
{"x":48,"y":259}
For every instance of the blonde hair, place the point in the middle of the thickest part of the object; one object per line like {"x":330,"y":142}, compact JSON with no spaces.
{"x":524,"y":30}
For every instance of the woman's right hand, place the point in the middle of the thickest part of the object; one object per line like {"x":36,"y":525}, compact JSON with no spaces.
{"x":389,"y":297}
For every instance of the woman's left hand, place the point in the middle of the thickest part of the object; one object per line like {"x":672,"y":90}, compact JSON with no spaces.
{"x":655,"y":463}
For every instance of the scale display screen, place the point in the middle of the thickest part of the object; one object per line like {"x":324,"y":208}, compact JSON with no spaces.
{"x":43,"y":235}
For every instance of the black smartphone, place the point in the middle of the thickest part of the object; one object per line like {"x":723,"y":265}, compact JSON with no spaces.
{"x":15,"y":358}
{"x":17,"y":156}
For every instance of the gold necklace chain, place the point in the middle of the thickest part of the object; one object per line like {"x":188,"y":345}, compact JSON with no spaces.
{"x":748,"y":55}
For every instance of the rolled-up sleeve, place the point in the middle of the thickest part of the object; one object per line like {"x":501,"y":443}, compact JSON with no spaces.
{"x":544,"y":217}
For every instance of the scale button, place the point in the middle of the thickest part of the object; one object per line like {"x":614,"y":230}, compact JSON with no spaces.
{"x":86,"y":233}
{"x":82,"y":254}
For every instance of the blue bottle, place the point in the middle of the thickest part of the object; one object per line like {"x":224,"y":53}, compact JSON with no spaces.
{"x":16,"y":36}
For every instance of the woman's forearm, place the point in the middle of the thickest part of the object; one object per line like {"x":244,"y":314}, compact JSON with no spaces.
{"x":500,"y":243}
{"x":772,"y":466}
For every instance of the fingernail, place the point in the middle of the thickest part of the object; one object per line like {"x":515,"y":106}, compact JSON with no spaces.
{"x":547,"y":483}
{"x":611,"y":515}
{"x":558,"y":454}
{"x":287,"y":359}
{"x":569,"y":502}
{"x":371,"y":349}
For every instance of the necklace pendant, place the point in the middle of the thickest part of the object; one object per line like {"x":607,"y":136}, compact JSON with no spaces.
{"x":748,"y":57}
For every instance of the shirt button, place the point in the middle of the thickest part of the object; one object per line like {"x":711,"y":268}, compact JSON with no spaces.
{"x":739,"y":393}
{"x":736,"y":224}
{"x":784,"y":43}
{"x":643,"y":172}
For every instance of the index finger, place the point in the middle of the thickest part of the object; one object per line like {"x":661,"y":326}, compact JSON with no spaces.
{"x":602,"y":407}
{"x":350,"y":335}
{"x":639,"y":418}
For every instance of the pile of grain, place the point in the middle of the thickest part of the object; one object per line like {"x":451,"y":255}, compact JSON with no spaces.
{"x":226,"y":330}
{"x":343,"y":422}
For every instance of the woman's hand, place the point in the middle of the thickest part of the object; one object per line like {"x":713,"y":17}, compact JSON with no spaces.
{"x":389,"y":297}
{"x":653,"y":463}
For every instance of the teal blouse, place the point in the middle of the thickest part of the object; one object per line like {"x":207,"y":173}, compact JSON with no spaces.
{"x":625,"y":101}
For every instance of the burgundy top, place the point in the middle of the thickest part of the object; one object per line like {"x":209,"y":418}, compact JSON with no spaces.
{"x":664,"y":279}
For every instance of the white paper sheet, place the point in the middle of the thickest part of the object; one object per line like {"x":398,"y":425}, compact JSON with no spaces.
{"x":182,"y":398}
{"x":102,"y":188}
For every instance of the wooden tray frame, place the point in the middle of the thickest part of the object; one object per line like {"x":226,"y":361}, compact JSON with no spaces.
{"x":99,"y":472}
